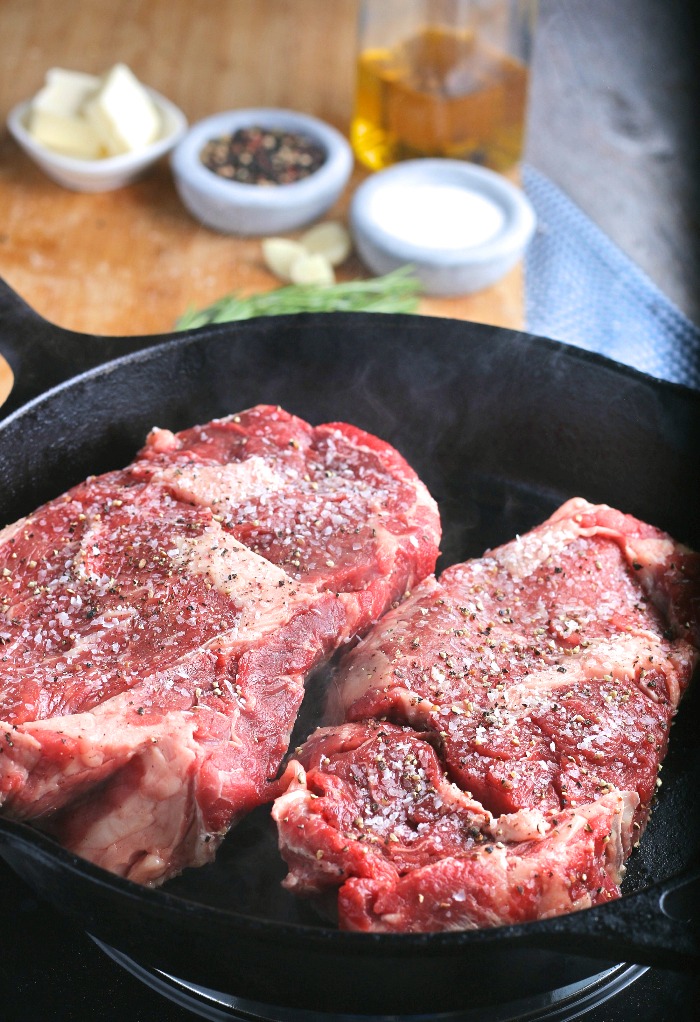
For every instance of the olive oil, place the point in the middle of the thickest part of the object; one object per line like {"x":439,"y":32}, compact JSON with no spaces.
{"x":441,"y":92}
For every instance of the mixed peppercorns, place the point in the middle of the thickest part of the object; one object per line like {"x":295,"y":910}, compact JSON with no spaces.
{"x":263,"y":156}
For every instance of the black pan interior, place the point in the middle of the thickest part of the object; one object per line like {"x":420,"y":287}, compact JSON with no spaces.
{"x":523,"y":416}
{"x":502,"y":427}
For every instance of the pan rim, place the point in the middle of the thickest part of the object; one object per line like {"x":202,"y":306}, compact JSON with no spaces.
{"x":157,"y":344}
{"x":239,"y":923}
{"x":535,"y":932}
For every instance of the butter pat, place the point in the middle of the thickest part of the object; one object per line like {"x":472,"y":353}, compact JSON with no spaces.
{"x":55,"y":118}
{"x":122,"y":114}
{"x":65,"y":91}
{"x":91,"y":117}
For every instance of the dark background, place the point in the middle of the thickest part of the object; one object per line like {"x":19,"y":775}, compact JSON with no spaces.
{"x":613,"y":122}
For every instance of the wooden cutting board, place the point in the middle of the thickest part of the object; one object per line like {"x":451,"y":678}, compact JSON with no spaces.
{"x":129,"y":262}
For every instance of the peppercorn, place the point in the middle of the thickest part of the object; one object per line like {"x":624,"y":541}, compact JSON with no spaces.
{"x":262,"y":156}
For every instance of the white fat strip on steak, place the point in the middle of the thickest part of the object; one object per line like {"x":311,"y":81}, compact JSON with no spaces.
{"x":106,"y":741}
{"x":550,"y":838}
{"x":159,"y":661}
{"x":373,"y":670}
{"x":509,"y":868}
{"x":157,"y":810}
{"x":260,"y":589}
{"x":224,"y":488}
{"x":550,"y":636}
{"x":504,"y":869}
{"x":527,"y":553}
{"x":533,"y":825}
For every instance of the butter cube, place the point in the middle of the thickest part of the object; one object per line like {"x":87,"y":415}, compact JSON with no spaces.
{"x":64,"y":92}
{"x":55,"y":116}
{"x":68,"y":135}
{"x":122,"y":113}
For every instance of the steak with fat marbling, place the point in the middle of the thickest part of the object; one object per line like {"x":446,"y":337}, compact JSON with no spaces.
{"x":157,"y":624}
{"x":503,"y":730}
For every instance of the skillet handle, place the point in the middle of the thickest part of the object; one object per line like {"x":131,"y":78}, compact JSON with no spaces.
{"x":42,"y":355}
{"x":659,"y":926}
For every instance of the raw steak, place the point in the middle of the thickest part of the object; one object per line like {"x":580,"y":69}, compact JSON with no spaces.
{"x":158,"y":623}
{"x":503,"y":730}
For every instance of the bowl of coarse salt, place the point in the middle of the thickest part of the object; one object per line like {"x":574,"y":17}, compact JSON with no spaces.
{"x":460,"y":226}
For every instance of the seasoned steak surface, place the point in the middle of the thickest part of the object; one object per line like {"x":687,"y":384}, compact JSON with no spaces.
{"x":503,"y":731}
{"x":158,"y":622}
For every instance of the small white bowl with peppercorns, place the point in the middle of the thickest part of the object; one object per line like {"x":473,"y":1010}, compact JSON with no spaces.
{"x":260,"y":171}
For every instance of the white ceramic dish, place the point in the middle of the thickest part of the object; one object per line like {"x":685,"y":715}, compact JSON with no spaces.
{"x":235,"y":208}
{"x":460,"y":226}
{"x":105,"y":174}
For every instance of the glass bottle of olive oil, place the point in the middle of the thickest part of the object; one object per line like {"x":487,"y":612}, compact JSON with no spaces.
{"x":442,"y":78}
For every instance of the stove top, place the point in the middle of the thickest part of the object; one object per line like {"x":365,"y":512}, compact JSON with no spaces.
{"x":53,"y":972}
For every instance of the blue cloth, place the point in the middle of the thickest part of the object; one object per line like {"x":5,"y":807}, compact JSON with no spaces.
{"x":581,"y":289}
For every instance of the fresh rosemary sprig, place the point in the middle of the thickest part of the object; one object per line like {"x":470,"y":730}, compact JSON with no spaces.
{"x":395,"y":292}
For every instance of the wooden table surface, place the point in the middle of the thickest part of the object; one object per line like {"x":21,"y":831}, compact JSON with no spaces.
{"x":612,"y":121}
{"x":129,"y":262}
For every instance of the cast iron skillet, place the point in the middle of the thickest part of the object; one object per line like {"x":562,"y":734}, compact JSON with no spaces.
{"x":502,"y":427}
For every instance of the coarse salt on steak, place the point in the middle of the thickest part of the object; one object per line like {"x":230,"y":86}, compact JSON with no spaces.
{"x":157,"y":624}
{"x":503,"y":730}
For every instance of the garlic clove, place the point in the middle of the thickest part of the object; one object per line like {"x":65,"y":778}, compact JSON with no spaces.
{"x":311,"y":269}
{"x":280,"y":253}
{"x":330,"y":239}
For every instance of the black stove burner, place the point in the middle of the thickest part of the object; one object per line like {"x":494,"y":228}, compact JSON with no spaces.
{"x":566,"y":1003}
